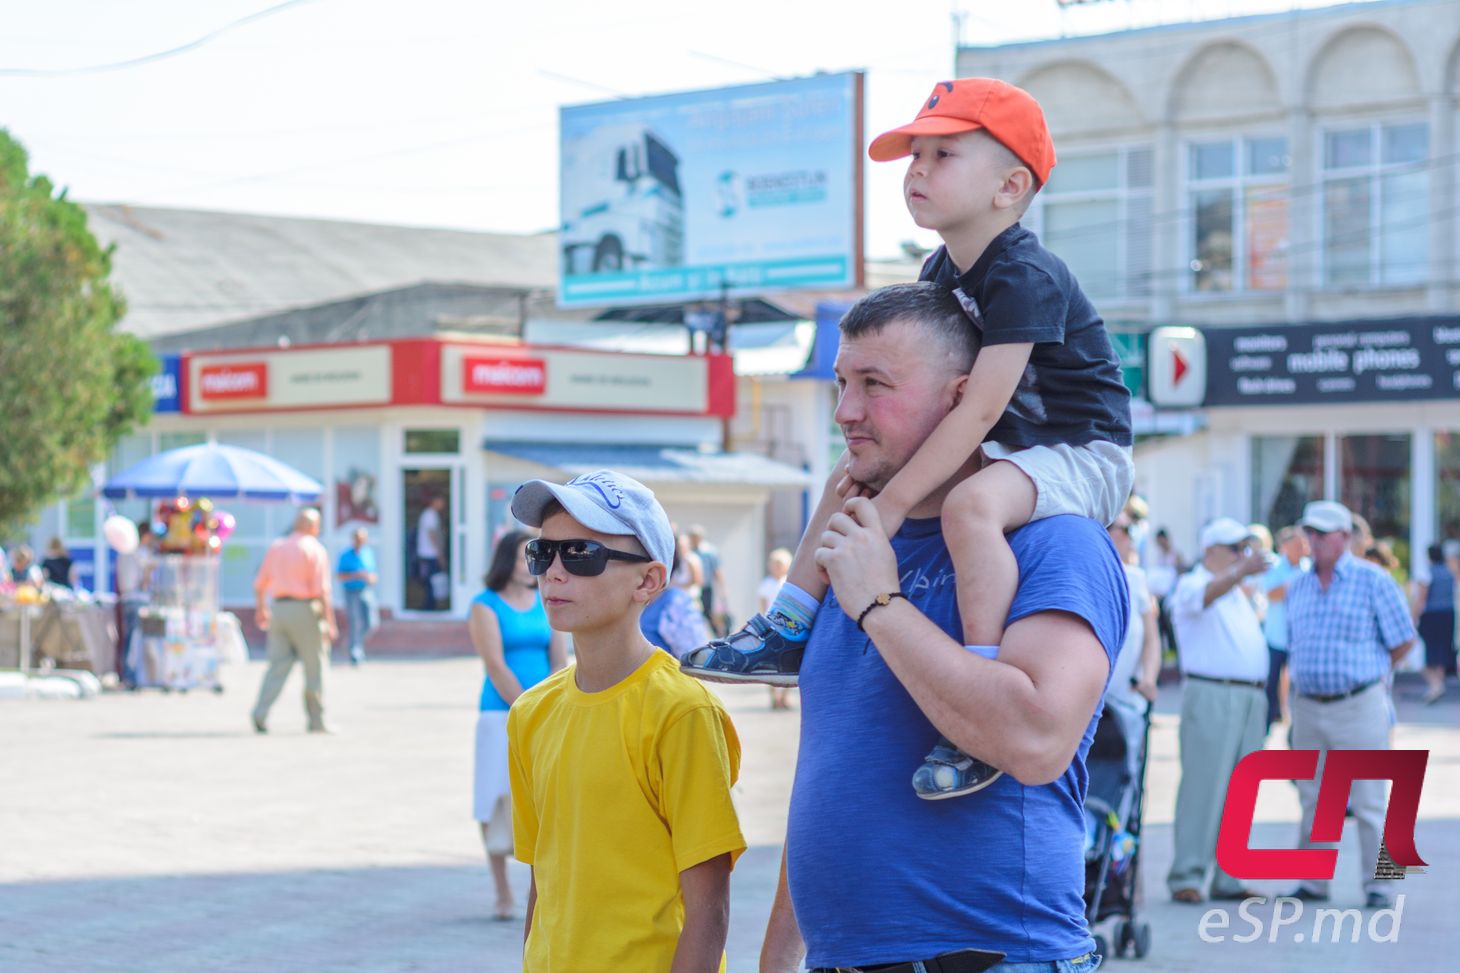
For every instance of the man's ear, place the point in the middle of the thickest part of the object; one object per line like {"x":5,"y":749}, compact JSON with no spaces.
{"x":652,"y":584}
{"x":958,"y":387}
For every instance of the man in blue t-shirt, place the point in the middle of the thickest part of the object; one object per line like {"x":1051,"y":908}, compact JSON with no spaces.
{"x":876,"y":875}
{"x":357,"y":575}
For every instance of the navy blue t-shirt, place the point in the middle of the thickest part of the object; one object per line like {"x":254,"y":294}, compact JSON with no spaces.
{"x":1072,"y":390}
{"x":878,"y":875}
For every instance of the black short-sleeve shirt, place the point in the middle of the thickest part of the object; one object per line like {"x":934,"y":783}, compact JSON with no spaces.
{"x":1072,"y":391}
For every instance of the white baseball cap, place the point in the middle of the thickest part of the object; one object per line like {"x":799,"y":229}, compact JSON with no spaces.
{"x":605,"y":501}
{"x":1327,"y":516}
{"x":1223,"y":532}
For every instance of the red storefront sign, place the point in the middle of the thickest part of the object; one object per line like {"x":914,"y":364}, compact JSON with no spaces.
{"x":236,"y":380}
{"x":516,"y":376}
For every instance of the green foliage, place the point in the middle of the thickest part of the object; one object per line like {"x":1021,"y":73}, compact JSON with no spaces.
{"x":71,"y":385}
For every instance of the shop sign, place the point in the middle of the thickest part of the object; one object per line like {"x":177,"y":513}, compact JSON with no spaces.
{"x":1130,"y":350}
{"x":235,"y":380}
{"x":576,"y":381}
{"x":166,"y":385}
{"x":302,"y":379}
{"x":1353,"y":361}
{"x":1177,"y":367}
{"x":512,"y":376}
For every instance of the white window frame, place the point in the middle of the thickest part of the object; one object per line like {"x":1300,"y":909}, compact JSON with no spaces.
{"x":1376,"y":170}
{"x":1241,"y":183}
{"x":1124,"y":194}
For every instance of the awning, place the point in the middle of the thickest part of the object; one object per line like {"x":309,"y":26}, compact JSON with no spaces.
{"x":656,"y":464}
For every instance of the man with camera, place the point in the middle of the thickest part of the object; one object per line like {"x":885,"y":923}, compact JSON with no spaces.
{"x":1224,"y":662}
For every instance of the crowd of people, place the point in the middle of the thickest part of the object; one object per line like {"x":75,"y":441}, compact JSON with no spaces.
{"x":20,"y":567}
{"x":1304,"y":629}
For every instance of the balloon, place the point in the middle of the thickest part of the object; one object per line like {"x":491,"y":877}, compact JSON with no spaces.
{"x":120,"y":533}
{"x":226,"y":523}
{"x":205,"y":505}
{"x":214,"y":545}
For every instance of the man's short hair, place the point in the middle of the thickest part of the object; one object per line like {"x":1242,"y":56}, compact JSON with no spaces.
{"x":930,"y":306}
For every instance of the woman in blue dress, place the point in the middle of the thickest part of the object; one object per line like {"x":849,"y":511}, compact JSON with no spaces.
{"x":510,"y":630}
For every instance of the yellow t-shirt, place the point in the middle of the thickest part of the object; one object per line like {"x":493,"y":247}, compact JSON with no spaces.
{"x":613,"y":795}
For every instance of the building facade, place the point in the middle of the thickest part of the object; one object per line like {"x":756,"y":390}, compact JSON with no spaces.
{"x":1269,"y":172}
{"x":388,"y":427}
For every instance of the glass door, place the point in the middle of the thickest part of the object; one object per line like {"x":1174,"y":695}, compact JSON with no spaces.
{"x":430,"y":505}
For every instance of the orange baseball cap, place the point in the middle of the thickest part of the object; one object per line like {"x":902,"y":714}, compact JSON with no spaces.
{"x":1009,"y":114}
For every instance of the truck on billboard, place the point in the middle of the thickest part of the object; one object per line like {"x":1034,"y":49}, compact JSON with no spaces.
{"x":701,"y":194}
{"x":623,"y":207}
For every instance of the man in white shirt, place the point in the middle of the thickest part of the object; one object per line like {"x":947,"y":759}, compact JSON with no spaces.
{"x":1223,"y":655}
{"x":430,"y":548}
{"x":134,"y":584}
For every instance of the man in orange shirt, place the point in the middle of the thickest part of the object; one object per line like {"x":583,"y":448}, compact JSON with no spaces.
{"x":301,"y":622}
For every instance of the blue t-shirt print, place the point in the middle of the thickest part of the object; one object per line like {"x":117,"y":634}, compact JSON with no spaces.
{"x":879,"y":876}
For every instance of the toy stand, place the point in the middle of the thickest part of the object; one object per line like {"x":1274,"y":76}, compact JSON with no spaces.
{"x":176,"y":642}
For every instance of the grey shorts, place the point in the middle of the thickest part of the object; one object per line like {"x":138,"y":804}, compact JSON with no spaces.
{"x":1091,"y":480}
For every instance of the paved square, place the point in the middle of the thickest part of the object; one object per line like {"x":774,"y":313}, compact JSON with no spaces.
{"x":156,"y":833}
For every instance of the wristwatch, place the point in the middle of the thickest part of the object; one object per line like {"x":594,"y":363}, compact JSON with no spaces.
{"x":878,"y":602}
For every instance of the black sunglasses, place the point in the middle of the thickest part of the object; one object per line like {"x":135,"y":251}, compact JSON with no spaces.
{"x":585,"y":558}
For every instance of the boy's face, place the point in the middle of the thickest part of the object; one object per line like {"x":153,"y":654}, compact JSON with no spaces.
{"x":581,"y":604}
{"x":952,"y":180}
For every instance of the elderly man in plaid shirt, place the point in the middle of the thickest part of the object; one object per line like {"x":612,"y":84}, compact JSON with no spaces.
{"x":1348,"y":625}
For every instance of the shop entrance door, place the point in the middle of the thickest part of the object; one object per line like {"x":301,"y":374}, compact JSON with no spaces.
{"x":431,"y":511}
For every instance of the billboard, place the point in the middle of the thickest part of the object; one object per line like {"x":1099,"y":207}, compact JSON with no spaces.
{"x":686,"y":196}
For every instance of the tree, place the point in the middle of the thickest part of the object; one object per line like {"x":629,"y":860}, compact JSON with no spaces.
{"x":71,"y":385}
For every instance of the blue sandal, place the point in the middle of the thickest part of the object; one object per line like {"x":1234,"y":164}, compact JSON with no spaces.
{"x":949,"y":772}
{"x":758,"y":653}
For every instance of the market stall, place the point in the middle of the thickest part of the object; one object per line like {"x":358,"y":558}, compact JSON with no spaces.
{"x":182,"y":636}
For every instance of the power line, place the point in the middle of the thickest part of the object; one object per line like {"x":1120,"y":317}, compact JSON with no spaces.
{"x":155,"y":56}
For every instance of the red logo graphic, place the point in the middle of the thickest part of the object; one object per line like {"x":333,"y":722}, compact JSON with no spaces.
{"x":1406,"y":768}
{"x":517,"y":376}
{"x":249,"y":380}
{"x":1179,"y":367}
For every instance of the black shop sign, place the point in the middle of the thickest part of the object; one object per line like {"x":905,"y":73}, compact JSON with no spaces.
{"x":1352,"y":361}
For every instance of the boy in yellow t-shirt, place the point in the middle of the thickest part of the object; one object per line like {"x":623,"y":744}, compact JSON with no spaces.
{"x":621,"y":765}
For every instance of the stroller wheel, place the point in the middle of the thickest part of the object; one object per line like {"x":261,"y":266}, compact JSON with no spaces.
{"x":1101,"y":947}
{"x":1141,"y":938}
{"x":1124,"y":938}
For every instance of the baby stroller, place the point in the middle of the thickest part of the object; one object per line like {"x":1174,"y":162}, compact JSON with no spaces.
{"x":1116,"y":765}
